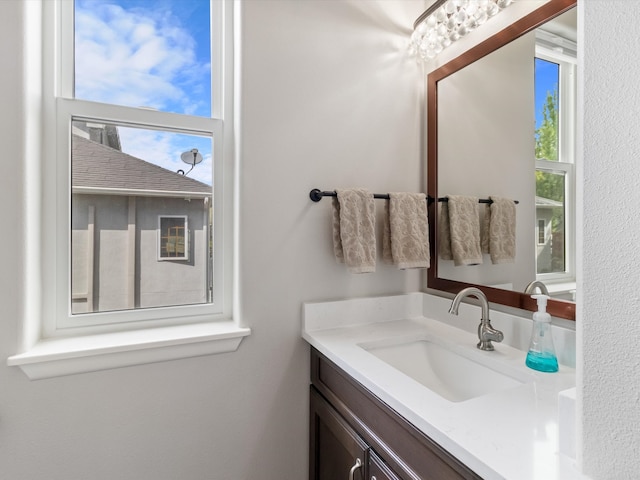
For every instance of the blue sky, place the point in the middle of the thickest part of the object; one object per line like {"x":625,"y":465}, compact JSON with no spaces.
{"x":546,"y":80}
{"x":148,"y":53}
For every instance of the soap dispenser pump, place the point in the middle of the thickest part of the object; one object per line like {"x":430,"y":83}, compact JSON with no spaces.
{"x":542,"y":355}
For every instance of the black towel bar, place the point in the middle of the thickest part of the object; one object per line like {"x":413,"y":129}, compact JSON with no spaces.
{"x":317,"y":194}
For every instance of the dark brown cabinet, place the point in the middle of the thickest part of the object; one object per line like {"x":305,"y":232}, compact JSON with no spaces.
{"x":356,"y":436}
{"x":378,"y":470}
{"x":337,"y":451}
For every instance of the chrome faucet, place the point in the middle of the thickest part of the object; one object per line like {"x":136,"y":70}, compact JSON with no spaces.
{"x":537,"y":283}
{"x":486,"y":333}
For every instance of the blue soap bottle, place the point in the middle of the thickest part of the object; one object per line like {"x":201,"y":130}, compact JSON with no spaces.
{"x":542,"y":355}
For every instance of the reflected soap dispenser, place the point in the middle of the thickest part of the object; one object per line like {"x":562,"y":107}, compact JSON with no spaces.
{"x":542,"y":355}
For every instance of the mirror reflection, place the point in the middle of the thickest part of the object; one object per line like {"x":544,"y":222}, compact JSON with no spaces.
{"x":506,"y":128}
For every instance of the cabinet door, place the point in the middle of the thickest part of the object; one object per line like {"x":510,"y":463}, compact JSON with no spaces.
{"x":336,"y":450}
{"x":378,"y":470}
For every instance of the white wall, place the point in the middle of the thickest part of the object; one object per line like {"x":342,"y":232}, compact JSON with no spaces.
{"x":329,"y":100}
{"x":609,"y":297}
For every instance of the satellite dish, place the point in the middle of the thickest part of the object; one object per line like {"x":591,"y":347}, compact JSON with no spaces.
{"x":192,"y":157}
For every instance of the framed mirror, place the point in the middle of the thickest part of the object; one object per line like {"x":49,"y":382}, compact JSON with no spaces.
{"x":489,"y":112}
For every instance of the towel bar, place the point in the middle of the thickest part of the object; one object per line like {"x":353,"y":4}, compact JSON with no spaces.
{"x":317,"y":194}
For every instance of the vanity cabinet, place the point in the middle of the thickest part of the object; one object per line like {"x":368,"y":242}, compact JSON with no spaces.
{"x":354,"y":435}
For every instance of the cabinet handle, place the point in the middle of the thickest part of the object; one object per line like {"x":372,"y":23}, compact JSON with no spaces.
{"x":355,"y":467}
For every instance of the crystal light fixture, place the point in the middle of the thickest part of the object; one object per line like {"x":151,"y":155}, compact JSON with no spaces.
{"x":446,"y":21}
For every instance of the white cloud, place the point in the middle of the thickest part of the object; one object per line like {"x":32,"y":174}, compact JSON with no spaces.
{"x":137,"y":58}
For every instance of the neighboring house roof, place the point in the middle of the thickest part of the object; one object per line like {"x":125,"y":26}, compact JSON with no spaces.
{"x":542,"y":202}
{"x":97,"y":168}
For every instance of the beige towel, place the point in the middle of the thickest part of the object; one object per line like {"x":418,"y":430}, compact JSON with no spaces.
{"x":354,"y":241}
{"x":485,"y":223}
{"x":502,"y":230}
{"x":444,"y":232}
{"x":464,"y":222}
{"x":387,"y":256}
{"x":405,"y":239}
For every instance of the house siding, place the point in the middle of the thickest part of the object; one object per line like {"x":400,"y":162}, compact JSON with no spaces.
{"x":123,"y":280}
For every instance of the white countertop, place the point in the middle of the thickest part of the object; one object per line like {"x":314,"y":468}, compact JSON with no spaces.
{"x":510,"y":434}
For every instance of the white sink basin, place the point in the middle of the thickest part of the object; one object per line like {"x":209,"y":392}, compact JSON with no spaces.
{"x":450,"y":374}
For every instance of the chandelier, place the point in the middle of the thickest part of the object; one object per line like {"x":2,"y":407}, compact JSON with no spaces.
{"x":446,"y":21}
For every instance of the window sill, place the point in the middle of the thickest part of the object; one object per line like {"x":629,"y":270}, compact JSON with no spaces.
{"x":562,"y":289}
{"x":67,"y":356}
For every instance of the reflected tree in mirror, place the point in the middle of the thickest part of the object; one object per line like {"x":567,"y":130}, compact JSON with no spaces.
{"x":550,"y":184}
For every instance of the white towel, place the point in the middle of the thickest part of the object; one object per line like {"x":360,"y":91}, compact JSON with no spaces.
{"x":502,"y":230}
{"x":464,"y":221}
{"x":405,"y":240}
{"x":354,"y":241}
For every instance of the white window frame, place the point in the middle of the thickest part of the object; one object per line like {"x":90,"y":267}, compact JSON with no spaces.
{"x":59,"y":343}
{"x":563,"y":52}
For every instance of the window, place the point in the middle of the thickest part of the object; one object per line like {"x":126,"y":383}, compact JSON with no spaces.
{"x":139,"y":91}
{"x":173,"y":238}
{"x":541,"y":232}
{"x":142,"y":200}
{"x":555,"y":93}
{"x":137,"y":146}
{"x":122,"y":181}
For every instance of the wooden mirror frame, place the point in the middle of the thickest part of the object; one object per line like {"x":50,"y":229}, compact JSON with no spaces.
{"x":557,"y":308}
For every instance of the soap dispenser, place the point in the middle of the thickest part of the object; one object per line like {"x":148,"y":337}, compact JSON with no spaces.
{"x":542,"y":355}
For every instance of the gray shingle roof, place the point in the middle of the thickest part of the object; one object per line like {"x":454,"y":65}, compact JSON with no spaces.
{"x":99,"y":166}
{"x":542,"y":202}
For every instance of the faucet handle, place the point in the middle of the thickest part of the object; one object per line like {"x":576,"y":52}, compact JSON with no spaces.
{"x":487,"y":334}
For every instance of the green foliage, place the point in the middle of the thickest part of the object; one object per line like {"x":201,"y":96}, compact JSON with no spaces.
{"x":547,"y":134}
{"x":551,"y":185}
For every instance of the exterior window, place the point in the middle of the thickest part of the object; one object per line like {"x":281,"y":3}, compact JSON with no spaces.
{"x":555,"y":92}
{"x":142,"y":203}
{"x":133,"y":230}
{"x":173,"y":238}
{"x":541,"y":235}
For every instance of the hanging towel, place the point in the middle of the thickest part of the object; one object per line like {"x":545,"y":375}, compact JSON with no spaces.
{"x":464,"y":221}
{"x":387,"y":256}
{"x":485,"y":223}
{"x":502,"y":230}
{"x":444,"y":233}
{"x":354,"y":241}
{"x":405,"y":239}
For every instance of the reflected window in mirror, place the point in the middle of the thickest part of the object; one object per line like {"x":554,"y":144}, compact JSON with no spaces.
{"x":542,"y":232}
{"x":555,"y":100}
